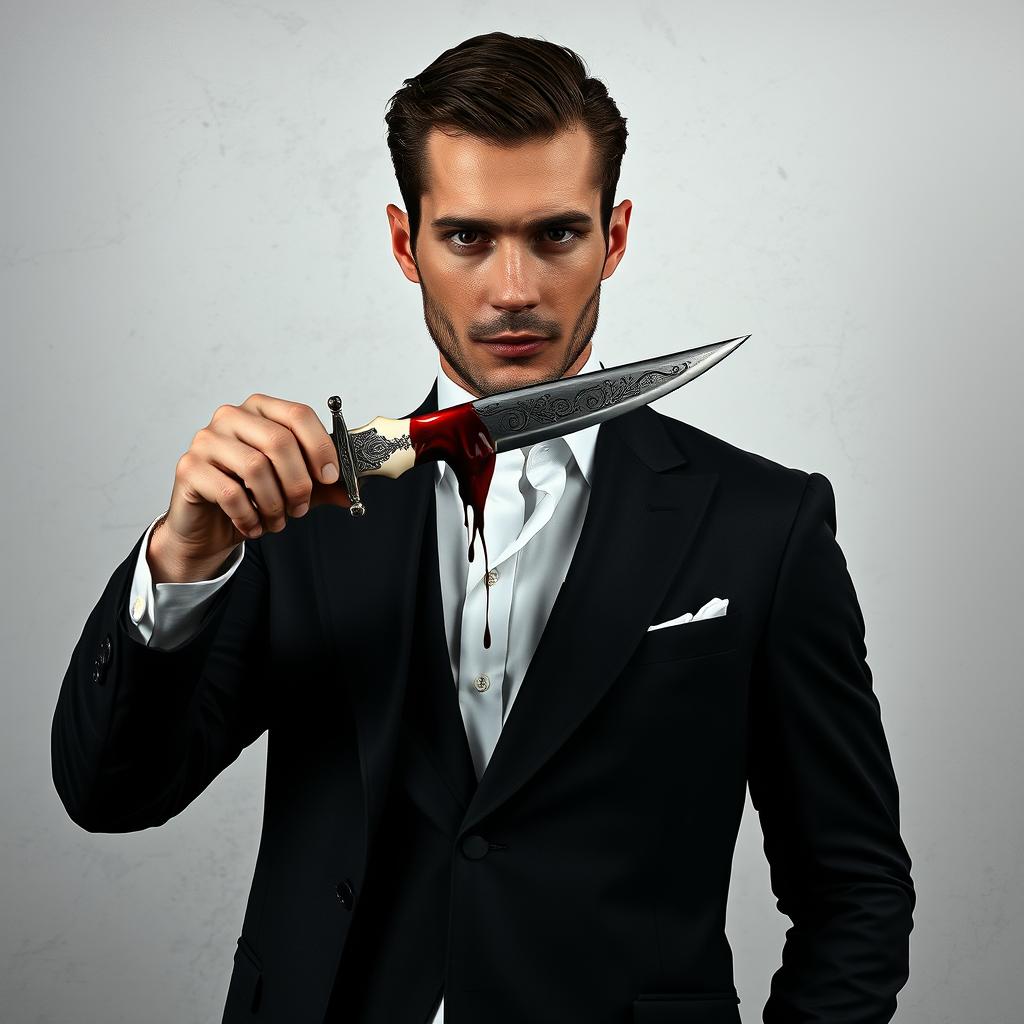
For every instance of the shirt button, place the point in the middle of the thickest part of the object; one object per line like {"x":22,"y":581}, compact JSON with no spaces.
{"x":482,"y":683}
{"x":138,"y":608}
{"x":492,"y":577}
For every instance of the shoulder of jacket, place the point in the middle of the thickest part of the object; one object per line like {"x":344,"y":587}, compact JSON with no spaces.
{"x":764,"y":485}
{"x":707,"y":452}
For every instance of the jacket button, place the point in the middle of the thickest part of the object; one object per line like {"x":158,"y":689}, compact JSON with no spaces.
{"x":104,"y":655}
{"x":346,"y":893}
{"x":98,"y":672}
{"x":475,"y":847}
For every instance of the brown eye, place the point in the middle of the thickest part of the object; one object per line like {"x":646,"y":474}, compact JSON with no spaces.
{"x":563,"y":243}
{"x":452,"y":237}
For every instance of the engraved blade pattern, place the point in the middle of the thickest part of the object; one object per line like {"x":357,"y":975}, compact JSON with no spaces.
{"x":555,"y":408}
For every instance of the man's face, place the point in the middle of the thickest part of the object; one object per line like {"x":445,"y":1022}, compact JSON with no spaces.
{"x":510,"y":241}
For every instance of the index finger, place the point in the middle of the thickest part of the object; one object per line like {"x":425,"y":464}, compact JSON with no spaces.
{"x":314,"y":441}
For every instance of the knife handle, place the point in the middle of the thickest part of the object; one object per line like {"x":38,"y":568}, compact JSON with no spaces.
{"x":382,"y":447}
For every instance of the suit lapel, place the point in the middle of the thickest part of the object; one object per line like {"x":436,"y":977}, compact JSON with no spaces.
{"x":641,"y":521}
{"x":439,"y":747}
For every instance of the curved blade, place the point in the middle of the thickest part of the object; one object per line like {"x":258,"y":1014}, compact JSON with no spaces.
{"x":557,"y":407}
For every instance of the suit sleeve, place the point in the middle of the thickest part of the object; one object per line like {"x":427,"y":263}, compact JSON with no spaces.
{"x":822,"y":781}
{"x":138,"y":732}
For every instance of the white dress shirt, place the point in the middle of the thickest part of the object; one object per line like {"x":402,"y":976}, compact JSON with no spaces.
{"x":533,"y":516}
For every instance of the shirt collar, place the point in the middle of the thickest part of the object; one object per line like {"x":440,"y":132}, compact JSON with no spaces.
{"x":581,"y":442}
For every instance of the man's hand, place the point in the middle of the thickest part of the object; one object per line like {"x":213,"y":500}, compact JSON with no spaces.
{"x":253,"y":465}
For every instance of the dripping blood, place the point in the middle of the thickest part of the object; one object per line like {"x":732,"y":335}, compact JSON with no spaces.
{"x":459,"y":436}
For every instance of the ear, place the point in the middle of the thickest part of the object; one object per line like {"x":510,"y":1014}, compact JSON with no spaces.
{"x":618,"y":226}
{"x":398,"y":221}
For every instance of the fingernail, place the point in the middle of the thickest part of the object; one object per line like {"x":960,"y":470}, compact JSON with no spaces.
{"x":329,"y":473}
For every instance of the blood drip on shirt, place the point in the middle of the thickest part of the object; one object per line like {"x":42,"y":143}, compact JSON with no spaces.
{"x":458,"y":436}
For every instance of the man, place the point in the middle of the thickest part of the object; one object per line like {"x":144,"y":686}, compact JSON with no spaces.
{"x":541,"y":830}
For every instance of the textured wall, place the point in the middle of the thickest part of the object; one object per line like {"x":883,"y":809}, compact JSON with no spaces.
{"x":192,"y":199}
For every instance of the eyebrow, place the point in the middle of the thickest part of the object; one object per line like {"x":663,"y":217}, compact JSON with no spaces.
{"x":479,"y":224}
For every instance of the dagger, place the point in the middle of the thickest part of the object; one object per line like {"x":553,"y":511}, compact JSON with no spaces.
{"x":468,"y":436}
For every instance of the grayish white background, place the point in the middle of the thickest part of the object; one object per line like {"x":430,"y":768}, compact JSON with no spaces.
{"x":192,"y":209}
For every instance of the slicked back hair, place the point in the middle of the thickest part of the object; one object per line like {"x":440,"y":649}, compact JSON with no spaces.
{"x":506,"y":90}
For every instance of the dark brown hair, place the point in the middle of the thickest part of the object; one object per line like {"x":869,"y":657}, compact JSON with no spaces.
{"x":507,"y":90}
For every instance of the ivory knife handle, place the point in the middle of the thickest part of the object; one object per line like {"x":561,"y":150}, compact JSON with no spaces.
{"x":382,"y":447}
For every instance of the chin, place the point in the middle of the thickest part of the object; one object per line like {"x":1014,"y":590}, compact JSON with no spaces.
{"x":517,"y":376}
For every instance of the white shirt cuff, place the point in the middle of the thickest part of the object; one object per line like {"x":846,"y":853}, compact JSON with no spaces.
{"x":168,"y":614}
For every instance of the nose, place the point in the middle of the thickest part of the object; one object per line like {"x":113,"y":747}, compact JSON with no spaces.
{"x":513,"y":283}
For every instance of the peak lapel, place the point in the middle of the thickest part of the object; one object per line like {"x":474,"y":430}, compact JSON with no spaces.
{"x":641,"y":521}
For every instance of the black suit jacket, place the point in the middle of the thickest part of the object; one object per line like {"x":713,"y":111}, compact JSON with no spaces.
{"x":618,"y":782}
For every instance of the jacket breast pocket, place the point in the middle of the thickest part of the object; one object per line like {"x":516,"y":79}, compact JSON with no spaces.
{"x":691,"y":639}
{"x":246,"y":983}
{"x":686,"y":1008}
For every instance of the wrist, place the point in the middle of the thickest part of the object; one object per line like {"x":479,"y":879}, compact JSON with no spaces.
{"x":169,"y":562}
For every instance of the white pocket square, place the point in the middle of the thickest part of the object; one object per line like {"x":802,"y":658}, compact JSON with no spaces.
{"x":715,"y":607}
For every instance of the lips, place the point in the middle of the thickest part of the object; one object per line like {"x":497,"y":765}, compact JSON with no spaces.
{"x":514,"y":344}
{"x":516,"y":336}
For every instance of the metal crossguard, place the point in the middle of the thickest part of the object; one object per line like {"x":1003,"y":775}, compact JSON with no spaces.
{"x":343,"y":447}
